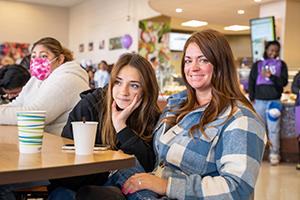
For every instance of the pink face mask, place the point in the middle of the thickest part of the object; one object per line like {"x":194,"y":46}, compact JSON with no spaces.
{"x":40,"y":68}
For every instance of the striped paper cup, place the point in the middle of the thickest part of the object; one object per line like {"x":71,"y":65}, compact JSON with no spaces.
{"x":31,"y":126}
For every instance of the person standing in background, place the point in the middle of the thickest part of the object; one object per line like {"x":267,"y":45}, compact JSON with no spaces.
{"x":296,"y":90}
{"x":159,"y":72}
{"x":101,"y":76}
{"x":267,"y":78}
{"x":91,"y":72}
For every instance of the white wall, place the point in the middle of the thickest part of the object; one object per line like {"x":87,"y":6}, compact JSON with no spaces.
{"x":23,"y":22}
{"x":292,"y":39}
{"x":96,"y":20}
{"x":240,"y":45}
{"x":83,"y":23}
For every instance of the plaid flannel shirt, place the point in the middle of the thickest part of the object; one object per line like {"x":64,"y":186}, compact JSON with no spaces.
{"x":224,"y":165}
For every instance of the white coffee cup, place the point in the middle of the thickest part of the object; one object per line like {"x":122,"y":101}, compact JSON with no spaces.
{"x":84,"y":134}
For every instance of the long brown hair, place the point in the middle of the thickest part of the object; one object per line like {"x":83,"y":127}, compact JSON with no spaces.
{"x":144,"y":117}
{"x":55,"y":47}
{"x":224,"y":82}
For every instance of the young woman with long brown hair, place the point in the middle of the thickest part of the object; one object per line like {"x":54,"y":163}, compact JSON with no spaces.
{"x":127,"y":112}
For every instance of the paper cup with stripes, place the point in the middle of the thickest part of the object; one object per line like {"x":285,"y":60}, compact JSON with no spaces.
{"x":31,"y":126}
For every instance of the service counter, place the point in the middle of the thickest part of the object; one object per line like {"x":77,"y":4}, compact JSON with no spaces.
{"x":288,"y":136}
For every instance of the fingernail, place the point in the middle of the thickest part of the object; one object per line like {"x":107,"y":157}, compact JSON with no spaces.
{"x":124,"y":191}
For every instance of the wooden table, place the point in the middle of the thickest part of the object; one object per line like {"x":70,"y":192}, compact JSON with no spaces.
{"x":52,"y":162}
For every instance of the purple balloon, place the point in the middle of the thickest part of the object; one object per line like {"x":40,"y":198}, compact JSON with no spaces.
{"x":126,"y":41}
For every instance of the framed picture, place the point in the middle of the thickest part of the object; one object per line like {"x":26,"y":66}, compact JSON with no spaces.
{"x":91,"y":46}
{"x":115,"y":43}
{"x":81,"y":48}
{"x":102,"y":44}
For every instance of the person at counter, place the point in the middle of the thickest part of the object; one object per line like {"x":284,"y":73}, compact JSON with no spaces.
{"x":296,"y":90}
{"x":209,"y":140}
{"x":101,"y":76}
{"x":267,"y":78}
{"x":127,"y":113}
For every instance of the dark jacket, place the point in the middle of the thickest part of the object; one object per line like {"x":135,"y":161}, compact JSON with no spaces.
{"x":91,"y":108}
{"x":296,"y":88}
{"x":86,"y":108}
{"x":267,"y":92}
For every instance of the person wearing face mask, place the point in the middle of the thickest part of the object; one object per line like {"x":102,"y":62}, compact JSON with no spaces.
{"x":54,"y":76}
{"x":12,"y":79}
{"x":267,"y":78}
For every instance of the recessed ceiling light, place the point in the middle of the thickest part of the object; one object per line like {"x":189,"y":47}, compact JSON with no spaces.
{"x":241,"y":12}
{"x":179,"y":10}
{"x":194,"y":23}
{"x":257,"y":0}
{"x":236,"y":28}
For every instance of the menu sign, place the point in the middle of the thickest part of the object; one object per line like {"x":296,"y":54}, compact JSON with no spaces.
{"x":262,"y":30}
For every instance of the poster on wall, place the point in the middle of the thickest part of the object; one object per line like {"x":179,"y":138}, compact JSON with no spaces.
{"x":154,"y":41}
{"x":15,"y":50}
{"x":154,"y":46}
{"x":115,"y":43}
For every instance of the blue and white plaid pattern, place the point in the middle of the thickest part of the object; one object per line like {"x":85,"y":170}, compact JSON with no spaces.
{"x":223,"y":166}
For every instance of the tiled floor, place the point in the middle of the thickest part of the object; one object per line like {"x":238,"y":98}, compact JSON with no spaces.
{"x":280,"y":182}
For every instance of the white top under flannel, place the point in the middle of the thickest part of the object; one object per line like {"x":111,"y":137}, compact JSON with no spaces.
{"x":223,"y":166}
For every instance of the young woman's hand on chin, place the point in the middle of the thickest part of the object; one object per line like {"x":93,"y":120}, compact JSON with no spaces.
{"x":119,"y":117}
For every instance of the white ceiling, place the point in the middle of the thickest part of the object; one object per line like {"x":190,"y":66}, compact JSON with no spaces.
{"x":218,"y":13}
{"x":222,"y":12}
